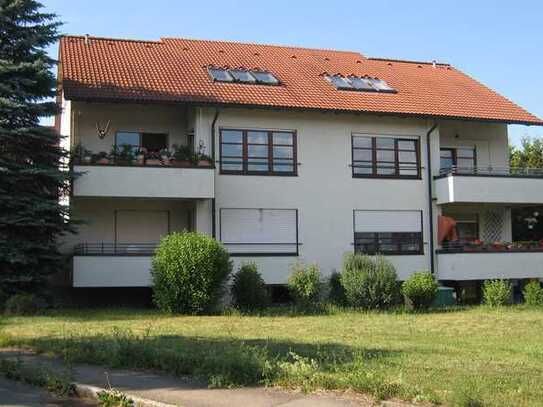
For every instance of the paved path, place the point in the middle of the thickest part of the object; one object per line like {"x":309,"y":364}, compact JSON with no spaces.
{"x":14,"y":394}
{"x":186,"y":392}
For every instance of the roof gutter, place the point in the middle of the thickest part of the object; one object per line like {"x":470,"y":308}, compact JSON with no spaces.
{"x":430,"y":195}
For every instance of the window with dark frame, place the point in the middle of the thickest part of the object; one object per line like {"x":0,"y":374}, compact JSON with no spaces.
{"x":257,"y":152}
{"x":388,"y":232}
{"x":152,"y":142}
{"x":459,"y":158}
{"x":378,"y":156}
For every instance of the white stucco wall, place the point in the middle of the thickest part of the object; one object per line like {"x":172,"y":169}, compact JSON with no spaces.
{"x":324,"y":192}
{"x":111,"y":271}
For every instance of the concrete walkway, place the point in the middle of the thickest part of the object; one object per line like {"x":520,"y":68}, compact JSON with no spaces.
{"x":186,"y":392}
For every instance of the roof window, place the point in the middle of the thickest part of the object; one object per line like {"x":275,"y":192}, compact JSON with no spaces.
{"x":242,"y":76}
{"x":363,"y":84}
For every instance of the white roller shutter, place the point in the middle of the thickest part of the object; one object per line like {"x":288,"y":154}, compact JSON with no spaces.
{"x":387,"y":221}
{"x":259,"y":230}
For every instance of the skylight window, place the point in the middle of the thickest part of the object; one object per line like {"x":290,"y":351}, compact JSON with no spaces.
{"x":220,"y":75}
{"x":360,"y":84}
{"x":243,"y":76}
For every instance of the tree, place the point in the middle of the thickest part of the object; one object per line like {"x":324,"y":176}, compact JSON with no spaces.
{"x":33,"y":173}
{"x":529,"y":155}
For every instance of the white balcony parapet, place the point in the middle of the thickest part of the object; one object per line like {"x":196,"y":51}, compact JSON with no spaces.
{"x":490,"y":185}
{"x":111,"y":271}
{"x":490,"y":265}
{"x":143,"y":182}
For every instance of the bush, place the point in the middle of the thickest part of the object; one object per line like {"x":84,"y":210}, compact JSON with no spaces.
{"x":304,"y":284}
{"x":22,"y":304}
{"x":533,"y":294}
{"x":189,"y":272}
{"x":369,"y":282}
{"x":497,"y":292}
{"x":419,"y":290}
{"x":336,"y":292}
{"x":248,"y":288}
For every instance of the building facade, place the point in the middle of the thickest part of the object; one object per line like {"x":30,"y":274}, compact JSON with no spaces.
{"x":376,"y":168}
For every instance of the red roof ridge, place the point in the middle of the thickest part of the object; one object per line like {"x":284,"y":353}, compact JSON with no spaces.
{"x":91,"y":37}
{"x":293,"y":47}
{"x":408,"y":61}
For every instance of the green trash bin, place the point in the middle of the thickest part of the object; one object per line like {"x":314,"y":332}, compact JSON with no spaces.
{"x":445,"y":297}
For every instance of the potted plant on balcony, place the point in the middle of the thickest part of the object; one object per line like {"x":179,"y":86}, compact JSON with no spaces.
{"x":165,"y":156}
{"x":123,"y":155}
{"x":499,"y":246}
{"x":153,"y":158}
{"x":103,"y":158}
{"x":140,"y":155}
{"x":182,"y":156}
{"x":200,"y":158}
{"x":473,"y":245}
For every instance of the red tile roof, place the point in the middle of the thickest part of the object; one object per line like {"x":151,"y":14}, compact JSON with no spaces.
{"x":174,"y":70}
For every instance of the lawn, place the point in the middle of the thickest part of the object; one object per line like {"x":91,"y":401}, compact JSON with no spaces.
{"x":464,"y":356}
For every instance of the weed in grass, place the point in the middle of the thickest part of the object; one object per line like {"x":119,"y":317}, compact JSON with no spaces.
{"x":114,"y":398}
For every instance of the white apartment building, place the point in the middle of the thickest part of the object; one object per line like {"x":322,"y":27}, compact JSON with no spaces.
{"x":313,"y":153}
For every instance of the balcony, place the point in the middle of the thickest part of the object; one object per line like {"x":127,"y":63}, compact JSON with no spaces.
{"x":137,"y":180}
{"x":112,"y":264}
{"x":489,"y":185}
{"x":478,"y":261}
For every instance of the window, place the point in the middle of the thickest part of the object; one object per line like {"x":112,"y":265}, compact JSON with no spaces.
{"x":152,"y":142}
{"x":467,"y":226}
{"x":360,"y":84}
{"x":258,"y":152}
{"x":242,"y":76}
{"x":391,"y":157}
{"x":259,"y":231}
{"x":461,"y":159}
{"x":388,"y":232}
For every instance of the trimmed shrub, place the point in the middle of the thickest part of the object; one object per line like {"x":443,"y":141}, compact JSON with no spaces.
{"x":189,"y":272}
{"x":22,"y":304}
{"x":369,"y":282}
{"x":419,"y":290}
{"x":533,"y":294}
{"x":248,"y":288}
{"x":497,"y":292}
{"x":336,"y":292}
{"x":304,"y":284}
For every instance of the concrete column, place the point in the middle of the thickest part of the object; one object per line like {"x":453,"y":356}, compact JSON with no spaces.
{"x":203,"y":216}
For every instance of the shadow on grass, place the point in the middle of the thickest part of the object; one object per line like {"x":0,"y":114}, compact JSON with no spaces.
{"x":226,"y":362}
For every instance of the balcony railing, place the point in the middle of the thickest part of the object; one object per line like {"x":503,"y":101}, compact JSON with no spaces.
{"x":492,"y":171}
{"x":115,"y":249}
{"x":495,"y":247}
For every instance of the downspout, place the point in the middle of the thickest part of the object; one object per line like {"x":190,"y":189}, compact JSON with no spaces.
{"x":430,"y":195}
{"x":213,"y":205}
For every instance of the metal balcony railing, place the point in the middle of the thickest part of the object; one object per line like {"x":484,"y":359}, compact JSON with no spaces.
{"x":115,"y":249}
{"x":492,"y":171}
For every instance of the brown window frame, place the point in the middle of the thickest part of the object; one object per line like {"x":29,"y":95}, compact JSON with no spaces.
{"x":377,"y":238}
{"x":244,"y":158}
{"x":396,"y":164}
{"x":455,"y":156}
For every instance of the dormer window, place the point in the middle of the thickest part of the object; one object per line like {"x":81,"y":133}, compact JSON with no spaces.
{"x":363,"y":84}
{"x":242,"y":76}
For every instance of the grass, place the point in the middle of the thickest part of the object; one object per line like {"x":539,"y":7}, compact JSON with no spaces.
{"x":464,"y":356}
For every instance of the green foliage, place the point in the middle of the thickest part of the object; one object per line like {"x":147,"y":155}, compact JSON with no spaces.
{"x":369,"y":282}
{"x":22,"y":304}
{"x":529,"y":155}
{"x":248,"y":289}
{"x":305,"y":284}
{"x":189,"y":272}
{"x":420,"y":290}
{"x":114,"y":398}
{"x":34,"y":170}
{"x":336,"y":292}
{"x":497,"y":292}
{"x":533,"y":294}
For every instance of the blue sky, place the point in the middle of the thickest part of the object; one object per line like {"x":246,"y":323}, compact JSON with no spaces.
{"x":499,"y":43}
